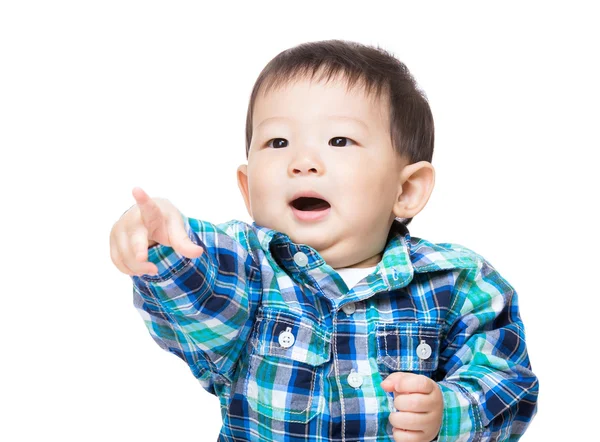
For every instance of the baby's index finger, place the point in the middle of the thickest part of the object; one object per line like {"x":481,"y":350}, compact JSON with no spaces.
{"x":149,"y":210}
{"x":140,"y":196}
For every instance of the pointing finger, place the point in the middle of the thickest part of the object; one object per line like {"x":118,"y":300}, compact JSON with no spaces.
{"x":140,"y":195}
{"x":147,"y":206}
{"x":153,"y":217}
{"x":149,"y":210}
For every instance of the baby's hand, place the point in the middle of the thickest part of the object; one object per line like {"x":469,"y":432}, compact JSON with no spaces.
{"x":149,"y":222}
{"x":420,"y":406}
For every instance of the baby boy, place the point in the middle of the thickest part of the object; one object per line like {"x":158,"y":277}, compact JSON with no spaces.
{"x":324,"y":320}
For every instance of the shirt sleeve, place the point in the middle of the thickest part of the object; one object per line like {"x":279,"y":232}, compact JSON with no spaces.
{"x":201,"y":309}
{"x":489,"y":390}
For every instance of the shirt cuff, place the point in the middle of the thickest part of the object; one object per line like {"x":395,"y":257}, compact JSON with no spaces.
{"x":461,"y":419}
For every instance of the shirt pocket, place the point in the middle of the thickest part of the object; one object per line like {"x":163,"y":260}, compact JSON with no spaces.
{"x":285,"y":370}
{"x":408,"y":346}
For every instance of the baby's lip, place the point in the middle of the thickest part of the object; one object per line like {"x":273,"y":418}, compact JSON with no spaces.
{"x":308,"y":194}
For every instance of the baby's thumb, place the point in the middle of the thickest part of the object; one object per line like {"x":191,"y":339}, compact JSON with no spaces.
{"x":391,"y":382}
{"x":388,"y":386}
{"x":182,"y":244}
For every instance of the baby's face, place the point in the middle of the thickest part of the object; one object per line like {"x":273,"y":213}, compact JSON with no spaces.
{"x":319,"y":138}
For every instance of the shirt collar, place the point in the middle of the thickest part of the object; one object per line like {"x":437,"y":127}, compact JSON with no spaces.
{"x":395,"y":267}
{"x":402,"y":257}
{"x":278,"y":247}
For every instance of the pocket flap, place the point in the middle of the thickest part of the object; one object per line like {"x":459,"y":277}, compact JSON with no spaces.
{"x":408,"y":346}
{"x":309,"y":343}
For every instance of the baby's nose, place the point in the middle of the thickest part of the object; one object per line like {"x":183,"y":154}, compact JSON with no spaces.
{"x":306,"y":166}
{"x":305,"y":170}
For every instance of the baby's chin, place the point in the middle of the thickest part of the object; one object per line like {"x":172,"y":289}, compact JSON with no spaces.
{"x":318,"y":239}
{"x":319,"y":235}
{"x":322,"y":240}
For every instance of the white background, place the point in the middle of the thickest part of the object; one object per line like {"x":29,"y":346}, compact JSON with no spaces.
{"x":99,"y":97}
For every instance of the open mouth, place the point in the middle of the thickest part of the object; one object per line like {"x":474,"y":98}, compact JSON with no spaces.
{"x":308,"y":204}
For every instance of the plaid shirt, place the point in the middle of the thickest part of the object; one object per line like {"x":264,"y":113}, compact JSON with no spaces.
{"x":293,"y":354}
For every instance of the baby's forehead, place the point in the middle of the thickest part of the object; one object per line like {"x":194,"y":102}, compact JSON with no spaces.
{"x":358,"y":88}
{"x":335,"y":96}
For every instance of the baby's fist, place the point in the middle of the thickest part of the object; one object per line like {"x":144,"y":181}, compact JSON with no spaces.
{"x":420,"y":406}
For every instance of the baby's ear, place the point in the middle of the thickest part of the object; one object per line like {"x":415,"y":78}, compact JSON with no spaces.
{"x":242,"y":179}
{"x":415,"y":186}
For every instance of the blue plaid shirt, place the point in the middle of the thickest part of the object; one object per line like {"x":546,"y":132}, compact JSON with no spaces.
{"x":293,"y":354}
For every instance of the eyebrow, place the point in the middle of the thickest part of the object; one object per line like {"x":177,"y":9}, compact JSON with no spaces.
{"x":333,"y":117}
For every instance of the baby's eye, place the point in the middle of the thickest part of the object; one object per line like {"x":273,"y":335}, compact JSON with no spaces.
{"x":340,"y":141}
{"x":277,"y":143}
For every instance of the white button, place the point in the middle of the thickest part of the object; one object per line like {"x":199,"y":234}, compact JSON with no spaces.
{"x":349,"y":308}
{"x":301,"y":259}
{"x":355,"y":379}
{"x":286,"y":338}
{"x":423,"y":350}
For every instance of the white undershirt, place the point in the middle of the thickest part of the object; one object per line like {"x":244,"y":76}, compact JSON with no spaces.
{"x":352,"y":275}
